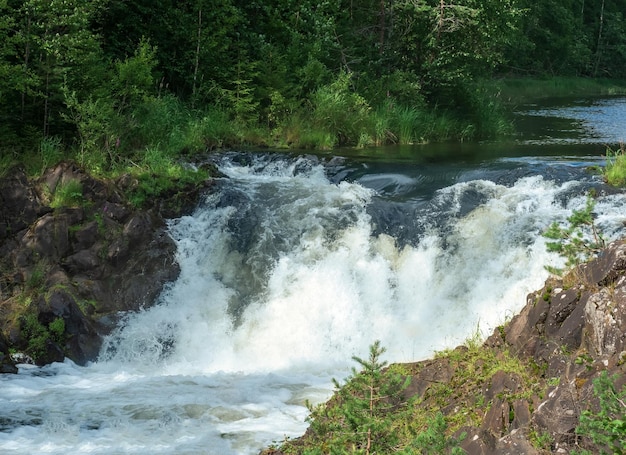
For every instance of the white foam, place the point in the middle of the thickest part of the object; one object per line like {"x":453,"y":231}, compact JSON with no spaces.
{"x":186,"y":377}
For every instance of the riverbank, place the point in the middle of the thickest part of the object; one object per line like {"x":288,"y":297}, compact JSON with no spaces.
{"x":76,"y":254}
{"x":539,"y":384}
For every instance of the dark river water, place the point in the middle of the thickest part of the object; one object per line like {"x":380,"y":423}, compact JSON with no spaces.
{"x":297,"y":262}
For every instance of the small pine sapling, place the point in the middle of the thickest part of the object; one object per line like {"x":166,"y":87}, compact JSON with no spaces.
{"x":579,"y":241}
{"x":361,"y":422}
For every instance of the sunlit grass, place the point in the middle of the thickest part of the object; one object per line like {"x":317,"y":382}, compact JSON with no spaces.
{"x":615,"y":169}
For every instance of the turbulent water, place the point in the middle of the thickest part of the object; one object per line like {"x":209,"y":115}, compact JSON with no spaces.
{"x":293,"y":265}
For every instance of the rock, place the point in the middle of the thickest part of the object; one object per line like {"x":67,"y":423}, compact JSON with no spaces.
{"x":567,"y":335}
{"x":20,"y":205}
{"x":86,"y":235}
{"x":84,"y":260}
{"x":521,"y":413}
{"x":515,"y":443}
{"x":6,"y":362}
{"x":558,"y":414}
{"x":84,"y":265}
{"x":605,"y":323}
{"x":525,"y":329}
{"x":477,"y":442}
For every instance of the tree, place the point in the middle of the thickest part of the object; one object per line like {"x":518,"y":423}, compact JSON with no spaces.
{"x":11,"y":74}
{"x":578,"y":241}
{"x":362,"y":420}
{"x":55,"y":48}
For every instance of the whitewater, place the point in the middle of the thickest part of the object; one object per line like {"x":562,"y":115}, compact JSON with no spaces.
{"x":290,"y":266}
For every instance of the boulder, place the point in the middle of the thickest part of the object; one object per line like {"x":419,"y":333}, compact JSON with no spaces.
{"x":85,"y":265}
{"x":6,"y":362}
{"x":20,"y":204}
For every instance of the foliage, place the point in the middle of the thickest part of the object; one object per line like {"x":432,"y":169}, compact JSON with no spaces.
{"x":50,"y":152}
{"x":338,"y":110}
{"x":38,"y":335}
{"x":101,"y":81}
{"x":158,"y":175}
{"x":68,"y":194}
{"x":606,"y":427}
{"x":577,"y":242}
{"x":371,"y":414}
{"x":362,"y":423}
{"x":36,"y":278}
{"x":615,"y":169}
{"x":433,"y":440}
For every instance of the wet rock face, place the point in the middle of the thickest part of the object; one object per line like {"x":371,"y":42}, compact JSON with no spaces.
{"x":82,"y":264}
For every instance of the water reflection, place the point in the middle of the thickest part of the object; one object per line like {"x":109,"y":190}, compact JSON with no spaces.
{"x":554,"y":128}
{"x":573,"y":121}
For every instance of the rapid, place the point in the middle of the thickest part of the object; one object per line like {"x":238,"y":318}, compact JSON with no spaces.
{"x":290,"y":266}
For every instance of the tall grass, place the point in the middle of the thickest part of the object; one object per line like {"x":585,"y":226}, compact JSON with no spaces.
{"x":159,"y":173}
{"x":338,"y":110}
{"x":615,"y":169}
{"x":407,"y":124}
{"x":210,"y":129}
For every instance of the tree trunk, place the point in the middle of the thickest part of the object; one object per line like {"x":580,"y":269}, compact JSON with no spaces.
{"x":195,"y":70}
{"x":599,"y":43}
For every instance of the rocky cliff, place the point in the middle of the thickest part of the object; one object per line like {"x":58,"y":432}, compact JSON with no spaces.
{"x":67,"y":272}
{"x":524,"y":389}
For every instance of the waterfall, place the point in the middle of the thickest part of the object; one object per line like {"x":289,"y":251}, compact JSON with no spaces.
{"x":290,"y":267}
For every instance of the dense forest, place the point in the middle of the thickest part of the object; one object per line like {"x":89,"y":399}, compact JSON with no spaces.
{"x":105,"y":79}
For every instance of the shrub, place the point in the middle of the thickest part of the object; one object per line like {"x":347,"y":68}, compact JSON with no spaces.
{"x":370,"y":414}
{"x":362,"y":422}
{"x":340,"y":111}
{"x":37,"y":335}
{"x":607,"y":427}
{"x":579,"y":241}
{"x":615,"y":169}
{"x":433,"y":440}
{"x":68,"y":194}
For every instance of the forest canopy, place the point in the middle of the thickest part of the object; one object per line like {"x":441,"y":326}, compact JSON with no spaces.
{"x":111,"y":77}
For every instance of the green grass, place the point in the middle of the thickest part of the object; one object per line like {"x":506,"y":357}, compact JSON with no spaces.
{"x":159,"y":174}
{"x":472,"y":368}
{"x":68,"y":194}
{"x":615,"y":169}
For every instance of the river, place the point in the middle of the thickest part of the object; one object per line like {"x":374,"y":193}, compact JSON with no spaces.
{"x":298,"y":262}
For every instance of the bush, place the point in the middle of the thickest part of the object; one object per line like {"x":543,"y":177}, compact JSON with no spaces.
{"x":433,"y":441}
{"x":615,"y":169}
{"x":340,"y":111}
{"x":37,"y":335}
{"x":362,"y":422}
{"x":579,"y":241}
{"x":370,"y":414}
{"x":607,"y":427}
{"x":68,"y":194}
